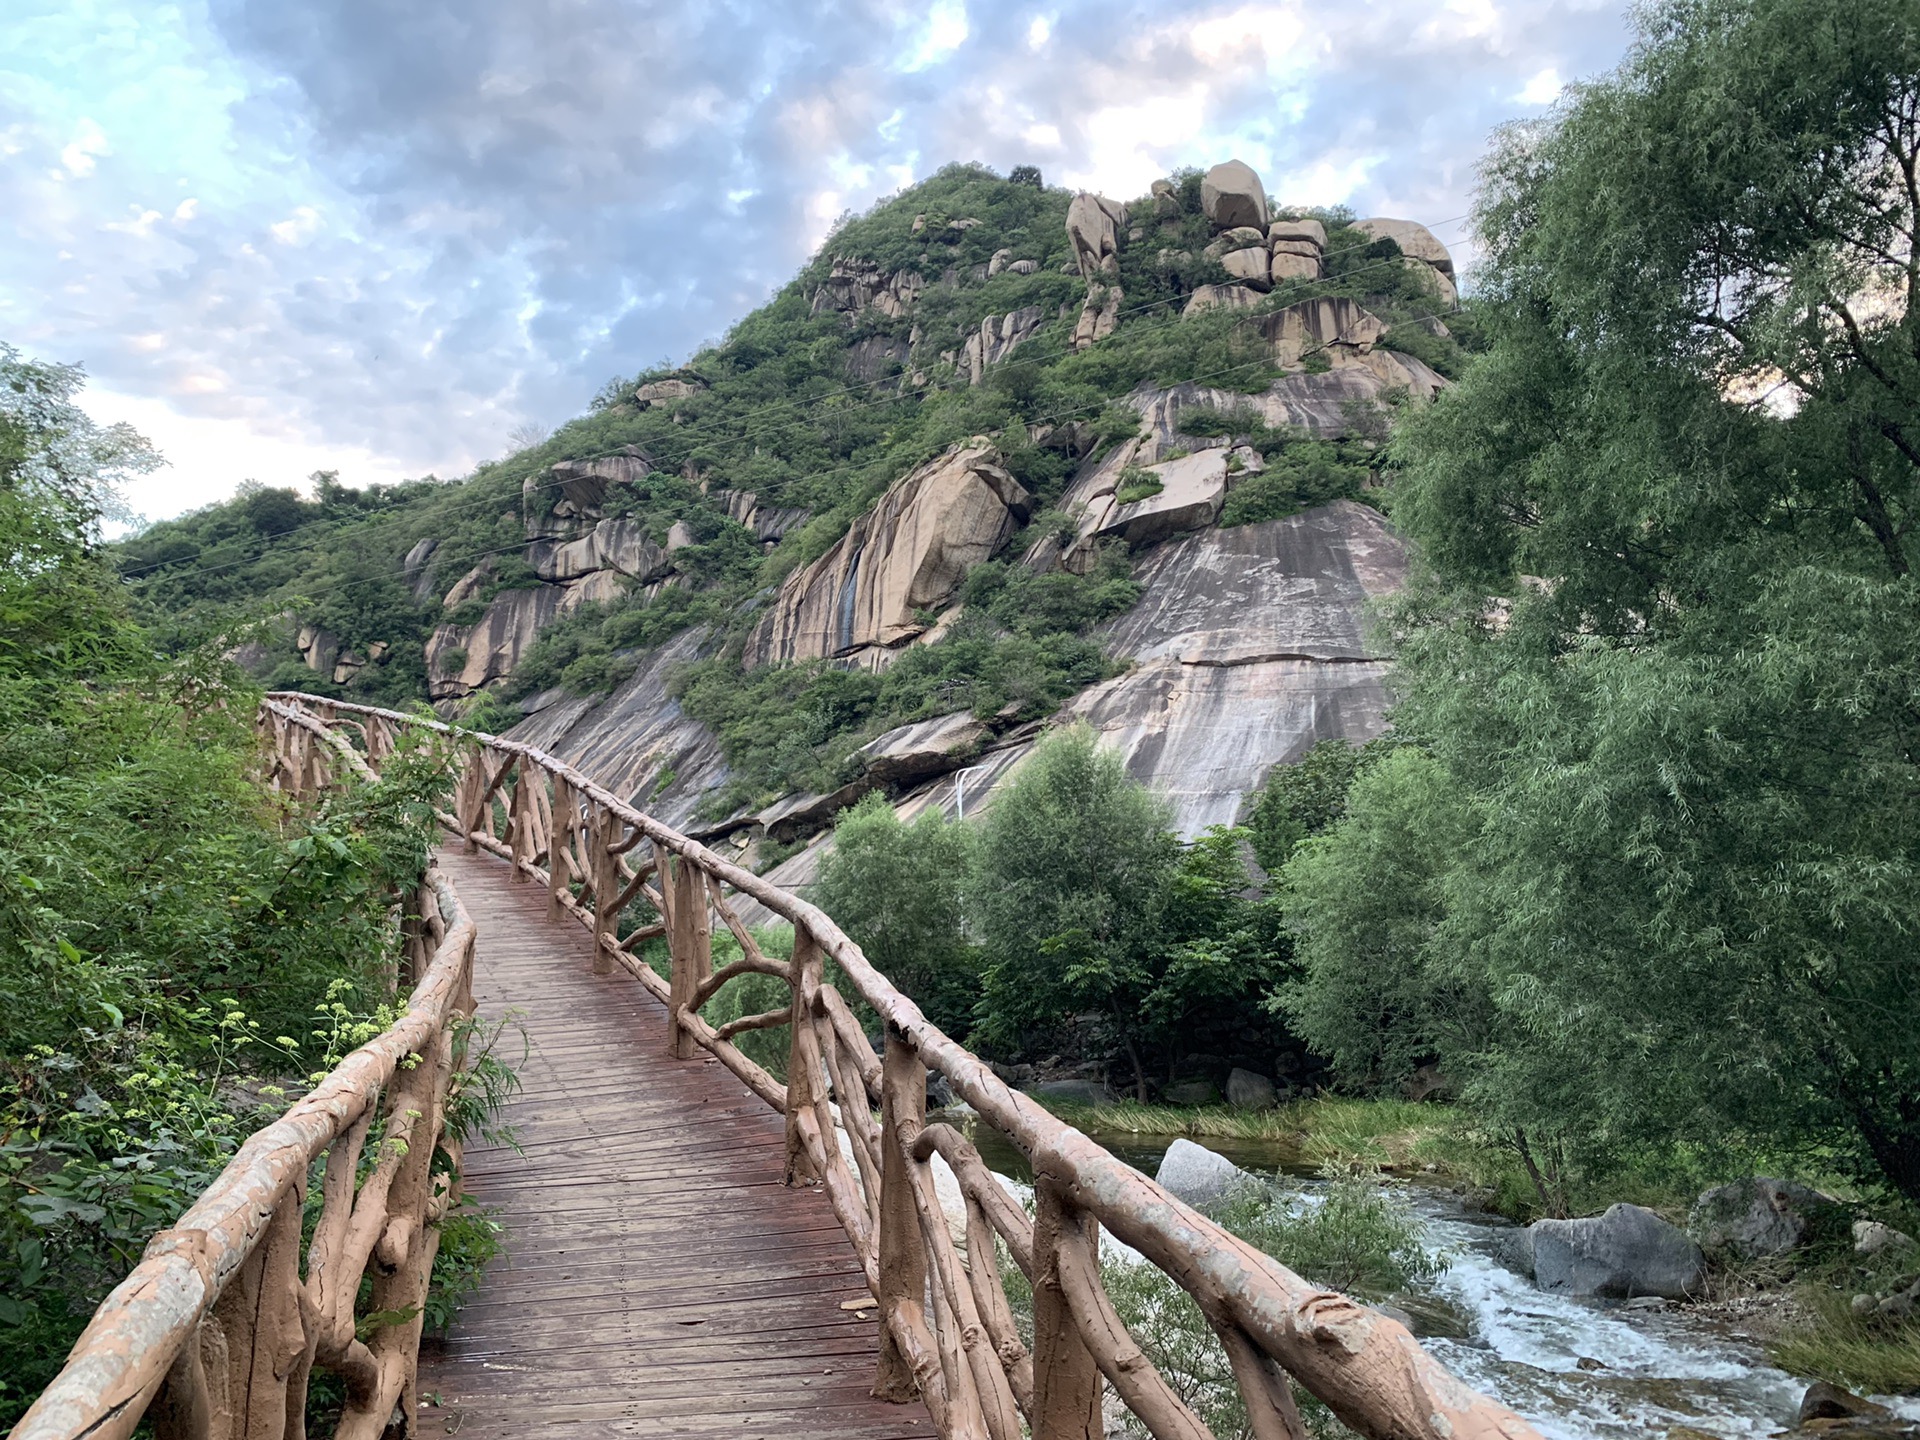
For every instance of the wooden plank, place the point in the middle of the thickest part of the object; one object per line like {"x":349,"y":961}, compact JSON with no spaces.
{"x":656,"y":1277}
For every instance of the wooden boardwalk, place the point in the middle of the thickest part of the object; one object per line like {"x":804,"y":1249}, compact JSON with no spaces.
{"x":658,"y":1278}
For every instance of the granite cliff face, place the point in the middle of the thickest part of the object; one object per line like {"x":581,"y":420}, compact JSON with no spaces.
{"x":1247,"y":644}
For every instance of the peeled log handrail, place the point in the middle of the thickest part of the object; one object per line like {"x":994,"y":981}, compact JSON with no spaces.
{"x":164,"y":1334}
{"x":1363,"y":1365}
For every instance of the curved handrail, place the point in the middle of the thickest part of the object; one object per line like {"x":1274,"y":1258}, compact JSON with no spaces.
{"x":1365,"y":1366}
{"x":164,"y":1332}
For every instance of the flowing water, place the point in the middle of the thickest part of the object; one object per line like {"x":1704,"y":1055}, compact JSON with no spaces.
{"x":1578,"y":1369}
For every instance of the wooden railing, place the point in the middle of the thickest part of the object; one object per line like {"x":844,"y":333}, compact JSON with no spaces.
{"x":218,"y":1329}
{"x":947,"y":1331}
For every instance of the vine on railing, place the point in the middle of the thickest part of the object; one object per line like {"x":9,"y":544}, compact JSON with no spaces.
{"x":947,"y":1331}
{"x":218,"y":1329}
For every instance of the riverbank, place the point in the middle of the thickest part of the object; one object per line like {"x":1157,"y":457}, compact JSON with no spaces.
{"x":1798,"y":1308}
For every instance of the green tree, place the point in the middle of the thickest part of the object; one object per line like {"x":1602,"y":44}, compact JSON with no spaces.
{"x":1074,"y":861}
{"x":900,"y":892}
{"x":1686,"y":742}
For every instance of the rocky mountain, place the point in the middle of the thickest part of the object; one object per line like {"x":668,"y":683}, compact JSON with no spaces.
{"x":1000,"y":457}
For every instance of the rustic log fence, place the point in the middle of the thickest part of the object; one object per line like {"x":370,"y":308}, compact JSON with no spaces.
{"x":218,"y":1329}
{"x":857,"y":1126}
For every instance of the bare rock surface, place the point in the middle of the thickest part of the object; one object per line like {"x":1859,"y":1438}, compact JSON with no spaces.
{"x":638,"y":742}
{"x":1093,"y":229}
{"x":621,"y":545}
{"x":925,"y":747}
{"x":1197,"y":1175}
{"x":1231,"y":194}
{"x":908,"y":554}
{"x":1758,"y":1217}
{"x":855,"y":285}
{"x":996,"y":338}
{"x":1223,"y":297}
{"x":1336,"y":328}
{"x":570,"y":496}
{"x":1425,"y":254}
{"x":1626,"y":1252}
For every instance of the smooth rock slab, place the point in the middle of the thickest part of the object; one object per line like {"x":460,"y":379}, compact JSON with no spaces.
{"x":1626,"y":1252}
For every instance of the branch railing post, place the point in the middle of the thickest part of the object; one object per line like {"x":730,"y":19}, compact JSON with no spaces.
{"x":903,"y":1264}
{"x":1066,"y":1378}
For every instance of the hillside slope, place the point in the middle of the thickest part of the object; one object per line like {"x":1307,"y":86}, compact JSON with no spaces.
{"x":997,"y":454}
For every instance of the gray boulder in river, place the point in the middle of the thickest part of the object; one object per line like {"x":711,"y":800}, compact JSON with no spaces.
{"x":1197,"y":1175}
{"x":1760,"y":1217}
{"x":1626,"y":1252}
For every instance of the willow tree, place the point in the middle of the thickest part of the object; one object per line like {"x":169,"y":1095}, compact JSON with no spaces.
{"x":1668,"y":645}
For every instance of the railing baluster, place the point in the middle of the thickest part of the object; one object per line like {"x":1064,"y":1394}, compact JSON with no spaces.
{"x":803,"y":1065}
{"x":903,"y":1264}
{"x":1066,"y":1381}
{"x":559,"y":830}
{"x":689,"y":942}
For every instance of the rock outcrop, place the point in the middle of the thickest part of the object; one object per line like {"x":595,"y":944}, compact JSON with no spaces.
{"x":1192,"y":491}
{"x":996,"y":338}
{"x":1427,"y":256}
{"x":768,"y":522}
{"x":490,"y":648}
{"x":906,"y":555}
{"x":1299,"y":249}
{"x":1098,"y":315}
{"x":1094,"y":227}
{"x":637,"y":741}
{"x":620,"y":545}
{"x":855,"y":285}
{"x":1232,"y":194}
{"x":570,"y":496}
{"x":666,"y":393}
{"x":1336,"y":328}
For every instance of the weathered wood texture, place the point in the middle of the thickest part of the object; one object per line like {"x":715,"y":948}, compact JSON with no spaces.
{"x":658,"y":1278}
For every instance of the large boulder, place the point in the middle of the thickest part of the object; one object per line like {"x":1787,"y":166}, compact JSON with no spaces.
{"x":1221,"y":297}
{"x":1098,"y":315}
{"x":570,"y":497}
{"x":1094,"y":225}
{"x":1232,"y":194}
{"x":1250,"y":267}
{"x":1626,"y":1252}
{"x":1197,"y":1175}
{"x":768,"y":522}
{"x":924,"y":748}
{"x":906,"y":555}
{"x":1249,"y":1091}
{"x":1192,"y":491}
{"x":664,"y":393}
{"x":416,"y":572}
{"x":1759,"y":1217}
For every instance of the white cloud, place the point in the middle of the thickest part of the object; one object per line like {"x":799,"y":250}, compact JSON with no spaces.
{"x":88,"y":142}
{"x":1039,"y":31}
{"x":946,"y":32}
{"x":296,"y":227}
{"x":1543,"y":89}
{"x":186,"y":209}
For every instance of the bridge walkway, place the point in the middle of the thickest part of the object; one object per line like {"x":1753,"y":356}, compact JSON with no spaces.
{"x":657,"y":1277}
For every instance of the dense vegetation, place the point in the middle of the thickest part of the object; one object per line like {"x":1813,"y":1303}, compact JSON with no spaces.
{"x":179,"y":952}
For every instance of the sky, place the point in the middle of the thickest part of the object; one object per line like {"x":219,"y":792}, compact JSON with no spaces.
{"x":385,"y":237}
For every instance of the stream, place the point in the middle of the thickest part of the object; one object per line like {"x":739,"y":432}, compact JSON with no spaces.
{"x":1578,"y":1369}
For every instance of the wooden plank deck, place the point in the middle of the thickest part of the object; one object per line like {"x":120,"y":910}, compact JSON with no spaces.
{"x":658,"y":1279}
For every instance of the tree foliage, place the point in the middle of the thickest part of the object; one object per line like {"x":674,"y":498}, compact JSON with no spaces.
{"x":1662,"y":671}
